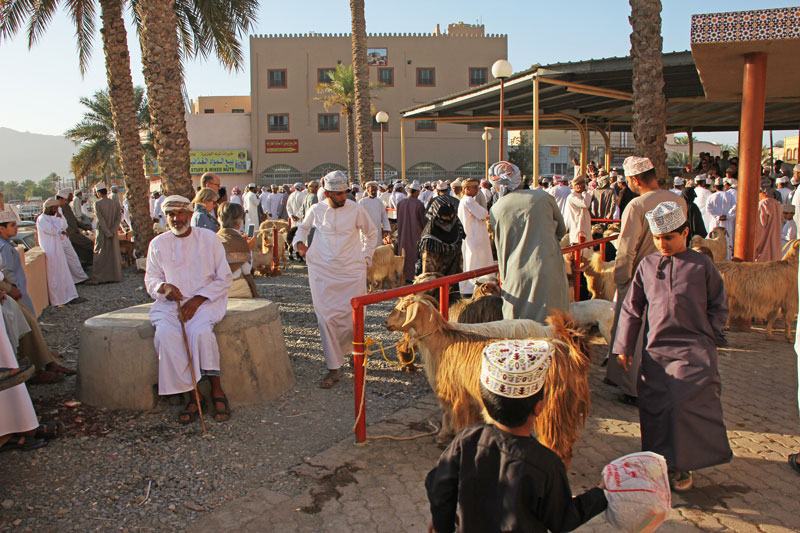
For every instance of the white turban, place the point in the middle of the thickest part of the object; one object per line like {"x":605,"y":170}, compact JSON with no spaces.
{"x":505,"y":175}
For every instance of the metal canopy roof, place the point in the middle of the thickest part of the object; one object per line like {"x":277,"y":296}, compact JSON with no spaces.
{"x":599,"y":92}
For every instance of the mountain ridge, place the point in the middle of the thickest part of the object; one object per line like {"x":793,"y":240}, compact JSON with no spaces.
{"x":32,"y":156}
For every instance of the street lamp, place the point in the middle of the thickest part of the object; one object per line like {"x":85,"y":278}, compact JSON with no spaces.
{"x":486,"y":136}
{"x":501,"y":70}
{"x":382,"y":117}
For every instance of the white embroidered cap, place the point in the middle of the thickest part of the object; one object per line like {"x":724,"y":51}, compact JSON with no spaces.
{"x":516,"y":368}
{"x":100,"y":186}
{"x":796,"y":168}
{"x":175,"y":202}
{"x":794,"y":182}
{"x":371,"y":184}
{"x":666,"y":217}
{"x":782,"y":179}
{"x":442,"y":186}
{"x":415,"y":186}
{"x":335,"y":181}
{"x":701,"y":178}
{"x":7,"y":215}
{"x":679,"y":181}
{"x":50,"y":202}
{"x":64,"y":193}
{"x":787,"y":208}
{"x":635,"y":165}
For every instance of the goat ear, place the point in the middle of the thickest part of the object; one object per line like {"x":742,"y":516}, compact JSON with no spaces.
{"x":411,"y":314}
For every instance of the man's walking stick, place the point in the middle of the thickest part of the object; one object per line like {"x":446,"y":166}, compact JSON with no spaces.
{"x":191,"y":367}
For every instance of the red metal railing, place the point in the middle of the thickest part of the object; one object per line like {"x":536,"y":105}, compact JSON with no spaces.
{"x":604,"y":220}
{"x":360,"y":302}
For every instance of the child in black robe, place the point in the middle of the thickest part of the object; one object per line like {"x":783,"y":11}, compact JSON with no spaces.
{"x":497,"y":477}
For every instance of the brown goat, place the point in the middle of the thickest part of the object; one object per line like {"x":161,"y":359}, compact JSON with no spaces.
{"x":717,"y":242}
{"x":761,"y":290}
{"x":452,"y":361}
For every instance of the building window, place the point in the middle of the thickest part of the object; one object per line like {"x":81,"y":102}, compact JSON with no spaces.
{"x":276,"y":79}
{"x":325,"y":75}
{"x":208,"y":111}
{"x":558,"y":168}
{"x":478,"y":76}
{"x":424,"y":125}
{"x":328,"y":122}
{"x":386,"y":76}
{"x":278,"y":123}
{"x":376,"y":126}
{"x":475,"y":127}
{"x":426,"y":77}
{"x":237,"y":110}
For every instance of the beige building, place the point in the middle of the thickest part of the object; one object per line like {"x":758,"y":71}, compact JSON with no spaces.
{"x":294,"y":137}
{"x":220,"y":104}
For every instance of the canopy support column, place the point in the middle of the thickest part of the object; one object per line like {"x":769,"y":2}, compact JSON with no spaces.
{"x":691,"y":147}
{"x":403,"y":149}
{"x":535,"y":133}
{"x":751,"y":131}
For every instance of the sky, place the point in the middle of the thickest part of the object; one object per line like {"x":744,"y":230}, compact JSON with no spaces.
{"x":42,"y":86}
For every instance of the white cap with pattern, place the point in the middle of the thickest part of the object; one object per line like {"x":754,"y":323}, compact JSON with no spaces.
{"x":7,"y":215}
{"x":666,"y":217}
{"x":635,"y":165}
{"x":516,"y":368}
{"x":175,"y":202}
{"x":335,"y":181}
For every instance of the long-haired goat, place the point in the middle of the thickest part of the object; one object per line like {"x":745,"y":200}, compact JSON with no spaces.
{"x":761,"y":290}
{"x":717,"y":242}
{"x":453,"y":364}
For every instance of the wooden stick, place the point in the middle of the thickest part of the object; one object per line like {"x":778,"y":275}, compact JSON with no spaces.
{"x":191,"y":367}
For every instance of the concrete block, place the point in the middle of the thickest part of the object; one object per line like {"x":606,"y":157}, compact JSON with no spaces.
{"x":118,"y":364}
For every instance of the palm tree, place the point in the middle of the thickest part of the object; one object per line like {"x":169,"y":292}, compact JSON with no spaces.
{"x":684,"y":139}
{"x":358,"y":39}
{"x":202,"y":26}
{"x":98,"y":156}
{"x":649,"y":103}
{"x":165,"y":28}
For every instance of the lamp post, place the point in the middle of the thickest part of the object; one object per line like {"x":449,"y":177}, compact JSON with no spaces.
{"x":486,"y":136}
{"x":501,"y":70}
{"x":382,"y":117}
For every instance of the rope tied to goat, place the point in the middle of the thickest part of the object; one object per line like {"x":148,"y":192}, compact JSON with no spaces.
{"x":368,"y":342}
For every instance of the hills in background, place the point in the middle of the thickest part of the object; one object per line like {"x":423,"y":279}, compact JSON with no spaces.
{"x":32,"y":156}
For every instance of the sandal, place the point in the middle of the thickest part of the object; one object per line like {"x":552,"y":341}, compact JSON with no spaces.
{"x":187,"y":416}
{"x":50,"y":430}
{"x":793,"y":462}
{"x":329,"y":381}
{"x":222,"y":415}
{"x":45,"y":377}
{"x":11,"y":377}
{"x":23,"y":444}
{"x":627,"y":399}
{"x":681,"y":481}
{"x":60,"y":369}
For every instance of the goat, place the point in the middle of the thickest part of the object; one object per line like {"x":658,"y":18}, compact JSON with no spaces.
{"x":761,"y":290}
{"x":600,"y":277}
{"x":717,"y":242}
{"x":381,"y":271}
{"x":398,"y":264}
{"x":266,"y":237}
{"x":452,"y":359}
{"x":127,"y":252}
{"x":477,"y":310}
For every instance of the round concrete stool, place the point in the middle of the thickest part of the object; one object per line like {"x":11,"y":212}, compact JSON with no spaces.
{"x":118,"y":364}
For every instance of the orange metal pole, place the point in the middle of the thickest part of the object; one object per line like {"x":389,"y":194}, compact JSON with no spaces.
{"x":358,"y":373}
{"x":502,"y":98}
{"x":751,"y":131}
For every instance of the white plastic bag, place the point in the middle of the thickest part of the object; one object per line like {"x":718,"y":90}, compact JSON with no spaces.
{"x":638,"y":493}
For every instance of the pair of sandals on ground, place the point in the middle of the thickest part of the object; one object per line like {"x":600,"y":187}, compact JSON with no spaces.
{"x":191,"y":411}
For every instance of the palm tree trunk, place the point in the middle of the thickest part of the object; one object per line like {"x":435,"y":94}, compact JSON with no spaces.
{"x":351,"y":143}
{"x":649,"y":103}
{"x":123,"y":109}
{"x":164,"y":78}
{"x":363,"y":112}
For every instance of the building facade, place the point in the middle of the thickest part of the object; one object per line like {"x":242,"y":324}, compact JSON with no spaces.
{"x":295,"y":138}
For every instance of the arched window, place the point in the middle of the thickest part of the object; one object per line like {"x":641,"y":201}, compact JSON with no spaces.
{"x":320,"y":170}
{"x":474,"y":169}
{"x":425,"y":171}
{"x":278,"y":175}
{"x":389,"y":172}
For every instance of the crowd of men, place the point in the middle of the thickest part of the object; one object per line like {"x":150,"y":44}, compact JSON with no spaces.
{"x":203,"y":256}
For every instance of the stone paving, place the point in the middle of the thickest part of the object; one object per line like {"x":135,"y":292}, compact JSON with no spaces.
{"x":379,"y":486}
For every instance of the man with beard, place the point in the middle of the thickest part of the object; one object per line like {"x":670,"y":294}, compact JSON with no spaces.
{"x":187,"y":265}
{"x":337,"y":266}
{"x":376,"y":211}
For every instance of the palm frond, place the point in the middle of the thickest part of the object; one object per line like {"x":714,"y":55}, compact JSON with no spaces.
{"x":13,"y":14}
{"x":83,"y":15}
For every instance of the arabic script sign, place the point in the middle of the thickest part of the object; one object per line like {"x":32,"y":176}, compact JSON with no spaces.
{"x":282,"y":146}
{"x":218,"y":161}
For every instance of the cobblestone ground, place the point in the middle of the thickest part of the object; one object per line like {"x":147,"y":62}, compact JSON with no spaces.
{"x":379,"y":486}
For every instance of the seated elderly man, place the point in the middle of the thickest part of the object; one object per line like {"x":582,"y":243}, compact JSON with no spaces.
{"x":187,"y":273}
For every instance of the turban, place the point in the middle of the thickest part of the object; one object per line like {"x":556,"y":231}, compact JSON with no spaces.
{"x":175,"y":203}
{"x":505,"y":175}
